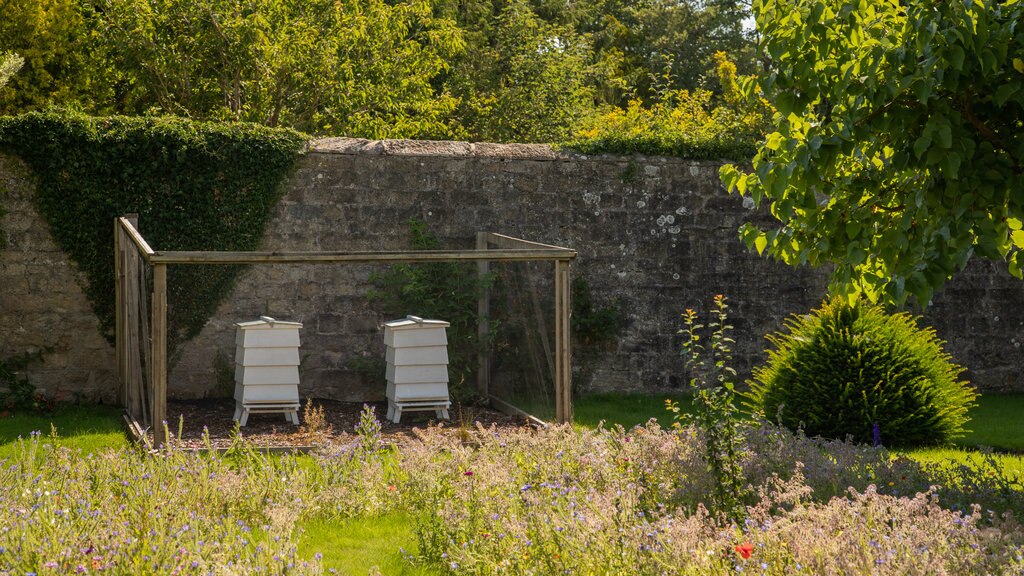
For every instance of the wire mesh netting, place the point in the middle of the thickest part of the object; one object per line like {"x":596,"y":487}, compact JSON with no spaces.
{"x":522,"y":366}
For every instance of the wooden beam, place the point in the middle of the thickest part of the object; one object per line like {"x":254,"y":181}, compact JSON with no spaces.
{"x":483,"y":326}
{"x":563,"y":345}
{"x":514,"y":411}
{"x":200,"y":257}
{"x":136,"y":237}
{"x":158,"y":356}
{"x":508,"y":242}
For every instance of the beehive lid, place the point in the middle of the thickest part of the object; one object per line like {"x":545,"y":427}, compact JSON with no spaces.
{"x":415,"y":322}
{"x":268,"y":323}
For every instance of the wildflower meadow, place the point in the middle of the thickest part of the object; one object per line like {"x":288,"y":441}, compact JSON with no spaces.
{"x":553,"y":501}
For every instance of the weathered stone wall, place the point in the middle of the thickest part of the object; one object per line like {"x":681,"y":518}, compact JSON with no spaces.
{"x":655,"y":235}
{"x":41,"y":304}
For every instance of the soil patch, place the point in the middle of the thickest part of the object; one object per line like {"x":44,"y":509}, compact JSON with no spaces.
{"x":213,"y":418}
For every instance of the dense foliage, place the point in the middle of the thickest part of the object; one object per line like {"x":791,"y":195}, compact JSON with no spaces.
{"x":500,"y":70}
{"x":699,"y":125}
{"x":488,"y":501}
{"x":898,"y":147}
{"x":321,"y":66}
{"x":195,"y":186}
{"x":851,"y":370}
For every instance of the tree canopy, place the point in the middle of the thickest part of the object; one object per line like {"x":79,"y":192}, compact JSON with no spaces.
{"x":897,"y":150}
{"x":500,"y":70}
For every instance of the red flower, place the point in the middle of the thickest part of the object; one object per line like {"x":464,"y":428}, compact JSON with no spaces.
{"x":467,"y":473}
{"x":391,"y":488}
{"x":745,"y":550}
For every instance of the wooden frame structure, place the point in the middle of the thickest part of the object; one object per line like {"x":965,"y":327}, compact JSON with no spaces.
{"x":142,"y":364}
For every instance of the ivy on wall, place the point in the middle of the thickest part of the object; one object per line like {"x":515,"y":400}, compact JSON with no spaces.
{"x":195,"y":186}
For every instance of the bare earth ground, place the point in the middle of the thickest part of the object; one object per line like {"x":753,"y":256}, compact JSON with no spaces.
{"x":214,"y":417}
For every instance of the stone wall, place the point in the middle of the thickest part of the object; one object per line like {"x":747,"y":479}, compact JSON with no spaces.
{"x":654,"y":236}
{"x":42,"y":307}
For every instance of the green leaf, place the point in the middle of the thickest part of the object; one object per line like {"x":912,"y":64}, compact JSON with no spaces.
{"x":922,"y":90}
{"x":1017,"y":236}
{"x":921,"y":145}
{"x":760,"y":243}
{"x":1004,"y":92}
{"x":853,"y":228}
{"x":952,"y":165}
{"x":956,"y":57}
{"x":945,"y":136}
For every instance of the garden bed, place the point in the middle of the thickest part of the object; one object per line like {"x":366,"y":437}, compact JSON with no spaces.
{"x":213,"y":417}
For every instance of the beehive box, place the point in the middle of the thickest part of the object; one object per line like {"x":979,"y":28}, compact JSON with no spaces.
{"x":417,"y":366}
{"x":267,"y":368}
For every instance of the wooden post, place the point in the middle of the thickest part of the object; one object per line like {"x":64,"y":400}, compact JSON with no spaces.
{"x":119,"y":317}
{"x":158,"y":343}
{"x":483,"y":327}
{"x":563,"y":346}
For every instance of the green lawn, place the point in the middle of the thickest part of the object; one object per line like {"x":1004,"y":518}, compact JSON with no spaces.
{"x":363,"y":546}
{"x":997,"y":421}
{"x":625,"y":409}
{"x":89,"y":428}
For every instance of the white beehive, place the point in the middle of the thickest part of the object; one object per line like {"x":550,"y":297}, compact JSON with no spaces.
{"x":267,"y":368}
{"x":417,"y":369}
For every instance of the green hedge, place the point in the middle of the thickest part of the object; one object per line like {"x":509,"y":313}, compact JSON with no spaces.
{"x":854,"y":370}
{"x":195,"y":186}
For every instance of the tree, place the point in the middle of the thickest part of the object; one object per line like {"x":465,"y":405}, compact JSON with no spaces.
{"x":898,"y":145}
{"x":521,"y":79}
{"x":352,"y":67}
{"x":10,"y":63}
{"x":53,"y":39}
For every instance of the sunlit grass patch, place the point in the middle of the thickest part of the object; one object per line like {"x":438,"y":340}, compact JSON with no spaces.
{"x":1011,"y":465}
{"x":362,"y":545}
{"x":88,"y":428}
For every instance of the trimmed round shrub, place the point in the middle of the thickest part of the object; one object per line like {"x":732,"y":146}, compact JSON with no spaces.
{"x":852,"y":370}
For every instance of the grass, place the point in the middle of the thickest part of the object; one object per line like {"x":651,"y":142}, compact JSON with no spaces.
{"x":374,"y":545}
{"x":363,"y":545}
{"x":89,"y":428}
{"x":996,"y":422}
{"x":1011,"y":465}
{"x":624,"y":409}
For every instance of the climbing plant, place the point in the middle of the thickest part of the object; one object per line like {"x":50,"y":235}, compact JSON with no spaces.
{"x":195,"y":186}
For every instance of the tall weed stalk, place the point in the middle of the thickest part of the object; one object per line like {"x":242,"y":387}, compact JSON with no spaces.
{"x":715,"y":414}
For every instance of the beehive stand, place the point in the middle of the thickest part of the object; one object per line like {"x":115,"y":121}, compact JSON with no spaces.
{"x":267,"y":369}
{"x":417,"y":366}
